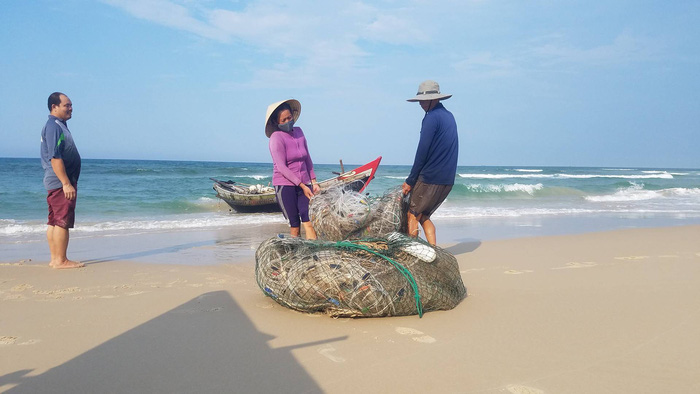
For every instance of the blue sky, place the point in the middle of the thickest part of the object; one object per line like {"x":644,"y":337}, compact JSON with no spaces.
{"x":534,"y":83}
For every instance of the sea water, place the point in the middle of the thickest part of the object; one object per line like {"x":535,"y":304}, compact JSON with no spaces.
{"x":130,"y":196}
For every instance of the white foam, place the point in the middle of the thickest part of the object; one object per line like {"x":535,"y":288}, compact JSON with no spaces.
{"x":527,"y":170}
{"x":446,"y":212}
{"x":12,"y":227}
{"x":636,"y":193}
{"x":655,"y":175}
{"x":193,"y":222}
{"x":507,"y":212}
{"x":626,"y":195}
{"x":504,"y":176}
{"x":510,"y":188}
{"x":256,"y":177}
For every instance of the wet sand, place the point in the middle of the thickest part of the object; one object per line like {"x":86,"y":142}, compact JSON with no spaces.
{"x":607,"y":312}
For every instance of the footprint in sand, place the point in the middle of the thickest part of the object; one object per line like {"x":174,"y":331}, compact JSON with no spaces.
{"x":7,"y":340}
{"x":21,"y":287}
{"x":29,"y":342}
{"x":326,"y":351}
{"x":419,"y":337}
{"x":51,"y":297}
{"x":516,"y":272}
{"x":68,"y":290}
{"x":632,"y":258}
{"x":212,"y":281}
{"x":185,"y":311}
{"x":518,"y":389}
{"x":194,"y":310}
{"x":573,"y":264}
{"x":471,"y":270}
{"x":425,"y":339}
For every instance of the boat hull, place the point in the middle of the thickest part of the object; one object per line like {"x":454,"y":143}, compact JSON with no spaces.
{"x":356,"y":179}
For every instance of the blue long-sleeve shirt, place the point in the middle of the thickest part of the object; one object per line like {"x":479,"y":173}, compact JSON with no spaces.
{"x":438,"y":149}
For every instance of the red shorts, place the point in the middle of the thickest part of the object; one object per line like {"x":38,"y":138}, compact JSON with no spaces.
{"x":61,"y":209}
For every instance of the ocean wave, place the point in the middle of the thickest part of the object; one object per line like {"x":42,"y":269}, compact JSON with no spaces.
{"x":526,"y":170}
{"x":13,"y":228}
{"x":453,"y":212}
{"x":253,"y":176}
{"x":447,"y":212}
{"x":637,"y":193}
{"x":508,"y":188}
{"x":660,"y":175}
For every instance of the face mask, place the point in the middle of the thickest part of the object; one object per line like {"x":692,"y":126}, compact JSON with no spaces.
{"x":288,"y":127}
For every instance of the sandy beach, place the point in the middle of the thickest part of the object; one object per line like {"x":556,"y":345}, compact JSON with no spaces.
{"x":604,"y":312}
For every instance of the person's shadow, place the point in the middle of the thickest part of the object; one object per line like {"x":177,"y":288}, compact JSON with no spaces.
{"x":466,"y":245}
{"x":150,"y":252}
{"x":207,"y":345}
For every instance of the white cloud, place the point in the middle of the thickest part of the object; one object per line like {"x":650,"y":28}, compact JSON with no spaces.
{"x":276,"y":25}
{"x":393,"y":30}
{"x":624,"y":49}
{"x":315,"y":40}
{"x":169,"y":14}
{"x":486,"y":64}
{"x":554,"y":53}
{"x":320,"y":40}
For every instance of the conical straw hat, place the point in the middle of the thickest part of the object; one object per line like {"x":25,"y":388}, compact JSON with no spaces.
{"x":296,"y":111}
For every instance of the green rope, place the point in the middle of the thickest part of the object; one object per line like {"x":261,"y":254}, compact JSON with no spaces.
{"x":404,"y":271}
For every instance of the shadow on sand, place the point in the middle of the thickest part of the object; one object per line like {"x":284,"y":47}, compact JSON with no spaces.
{"x":464,"y":246}
{"x":207,"y":345}
{"x":150,"y":252}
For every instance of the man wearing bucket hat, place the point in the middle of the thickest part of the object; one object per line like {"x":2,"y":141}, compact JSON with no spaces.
{"x":435,"y":165}
{"x":293,"y":171}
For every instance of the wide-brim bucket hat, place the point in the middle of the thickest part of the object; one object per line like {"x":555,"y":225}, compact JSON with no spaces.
{"x":296,"y":111}
{"x":429,"y":90}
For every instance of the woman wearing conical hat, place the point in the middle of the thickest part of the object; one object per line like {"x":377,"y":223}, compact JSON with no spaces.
{"x":293,"y":171}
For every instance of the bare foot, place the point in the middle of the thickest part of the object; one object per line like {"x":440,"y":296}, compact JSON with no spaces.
{"x":66,"y":264}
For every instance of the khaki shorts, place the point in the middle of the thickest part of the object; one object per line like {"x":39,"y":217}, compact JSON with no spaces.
{"x":426,"y":198}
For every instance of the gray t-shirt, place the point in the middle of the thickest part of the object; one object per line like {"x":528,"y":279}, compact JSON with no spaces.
{"x":57,"y":143}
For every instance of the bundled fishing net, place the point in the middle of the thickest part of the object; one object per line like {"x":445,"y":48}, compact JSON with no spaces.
{"x":338,"y":213}
{"x":394,"y":276}
{"x":364,"y":266}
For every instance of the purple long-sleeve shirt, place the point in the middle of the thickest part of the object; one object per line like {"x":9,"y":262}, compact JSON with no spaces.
{"x":291,"y":161}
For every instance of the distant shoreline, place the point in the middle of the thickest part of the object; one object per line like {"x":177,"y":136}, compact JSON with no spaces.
{"x":642,"y":167}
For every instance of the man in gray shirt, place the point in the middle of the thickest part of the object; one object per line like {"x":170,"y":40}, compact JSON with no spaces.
{"x":61,"y":162}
